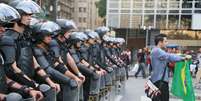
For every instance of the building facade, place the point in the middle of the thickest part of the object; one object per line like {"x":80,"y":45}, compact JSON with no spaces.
{"x":64,"y":8}
{"x":160,"y":14}
{"x":143,"y":19}
{"x":85,"y":14}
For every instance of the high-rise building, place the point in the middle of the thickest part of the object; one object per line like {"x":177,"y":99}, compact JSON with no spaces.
{"x":160,"y":14}
{"x":86,"y":14}
{"x":64,"y":8}
{"x":143,"y":19}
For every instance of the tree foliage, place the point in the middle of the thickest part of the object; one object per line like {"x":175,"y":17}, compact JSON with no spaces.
{"x":101,"y":5}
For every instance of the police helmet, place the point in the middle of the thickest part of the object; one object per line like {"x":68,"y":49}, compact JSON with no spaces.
{"x":35,"y":21}
{"x":102,"y":30}
{"x":26,"y":7}
{"x":8,"y":14}
{"x":45,"y":29}
{"x":79,"y":36}
{"x":92,"y":34}
{"x":66,"y":25}
{"x":14,"y":3}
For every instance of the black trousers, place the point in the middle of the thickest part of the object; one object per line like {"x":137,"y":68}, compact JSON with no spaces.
{"x":164,"y":88}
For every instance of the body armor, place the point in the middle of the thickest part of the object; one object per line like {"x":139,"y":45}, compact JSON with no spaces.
{"x":12,"y":51}
{"x":44,"y":60}
{"x":25,"y":57}
{"x":3,"y":85}
{"x":63,"y":50}
{"x":86,"y":71}
{"x":84,"y":53}
{"x":71,"y":94}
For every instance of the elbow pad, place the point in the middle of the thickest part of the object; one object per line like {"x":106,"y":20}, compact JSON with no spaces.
{"x":61,"y":68}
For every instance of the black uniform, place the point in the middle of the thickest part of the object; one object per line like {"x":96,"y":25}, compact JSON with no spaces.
{"x":46,"y":59}
{"x":18,"y":48}
{"x":59,"y":51}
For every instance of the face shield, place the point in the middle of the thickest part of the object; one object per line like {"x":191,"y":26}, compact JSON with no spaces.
{"x":28,"y":7}
{"x":66,"y":25}
{"x":43,"y":29}
{"x":8,"y":14}
{"x":50,"y":27}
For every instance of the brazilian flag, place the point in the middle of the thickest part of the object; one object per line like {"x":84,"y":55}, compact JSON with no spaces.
{"x":182,"y":83}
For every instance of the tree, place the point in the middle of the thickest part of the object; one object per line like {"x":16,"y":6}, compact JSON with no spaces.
{"x":101,"y":5}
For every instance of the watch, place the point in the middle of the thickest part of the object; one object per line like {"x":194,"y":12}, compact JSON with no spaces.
{"x":79,"y":74}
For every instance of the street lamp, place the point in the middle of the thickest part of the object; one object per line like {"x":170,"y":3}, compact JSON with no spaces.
{"x":53,"y":9}
{"x":147,"y":33}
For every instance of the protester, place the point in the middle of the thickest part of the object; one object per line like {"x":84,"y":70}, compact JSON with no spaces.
{"x":159,"y":60}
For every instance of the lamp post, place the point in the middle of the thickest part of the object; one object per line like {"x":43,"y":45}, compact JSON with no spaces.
{"x":53,"y":9}
{"x":147,"y":34}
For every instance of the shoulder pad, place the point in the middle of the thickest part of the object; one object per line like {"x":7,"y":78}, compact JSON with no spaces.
{"x":72,"y":51}
{"x":7,"y":41}
{"x":53,"y":43}
{"x":37,"y":51}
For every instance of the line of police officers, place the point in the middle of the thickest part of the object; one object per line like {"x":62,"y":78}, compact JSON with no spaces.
{"x":48,"y":61}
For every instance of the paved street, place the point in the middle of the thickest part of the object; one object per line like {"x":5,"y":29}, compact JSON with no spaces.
{"x":135,"y":91}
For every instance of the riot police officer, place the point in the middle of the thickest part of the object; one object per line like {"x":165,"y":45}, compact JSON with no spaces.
{"x":69,"y":55}
{"x":105,"y":59}
{"x":92,"y":58}
{"x":116,"y":51}
{"x":21,"y":66}
{"x":44,"y":32}
{"x":111,"y":54}
{"x":91,"y":85}
{"x":60,"y":47}
{"x":8,"y":16}
{"x":67,"y":26}
{"x":58,"y":52}
{"x":26,"y":61}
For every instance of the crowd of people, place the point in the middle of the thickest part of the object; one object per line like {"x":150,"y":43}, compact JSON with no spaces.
{"x":159,"y":63}
{"x":144,"y":60}
{"x":42,"y":60}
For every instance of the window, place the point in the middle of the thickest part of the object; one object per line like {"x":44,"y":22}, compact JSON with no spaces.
{"x":84,"y":10}
{"x":73,"y":9}
{"x":124,"y":20}
{"x":187,"y":4}
{"x":198,"y":4}
{"x":80,"y":19}
{"x":148,"y":20}
{"x":80,"y":9}
{"x":173,"y":22}
{"x":84,"y":20}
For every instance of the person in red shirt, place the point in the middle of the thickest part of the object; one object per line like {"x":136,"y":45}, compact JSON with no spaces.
{"x":148,"y":62}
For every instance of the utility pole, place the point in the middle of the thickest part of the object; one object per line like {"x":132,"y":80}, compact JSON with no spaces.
{"x":147,"y":34}
{"x":53,"y":10}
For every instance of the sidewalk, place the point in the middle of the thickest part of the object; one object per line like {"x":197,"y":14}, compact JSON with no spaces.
{"x":135,"y":91}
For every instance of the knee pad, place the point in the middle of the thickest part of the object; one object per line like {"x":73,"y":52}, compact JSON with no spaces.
{"x":73,"y":84}
{"x":61,"y":68}
{"x":109,"y":69}
{"x":95,"y":76}
{"x":44,"y":88}
{"x":14,"y":97}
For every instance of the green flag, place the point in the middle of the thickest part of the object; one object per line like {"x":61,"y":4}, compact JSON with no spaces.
{"x":182,"y":83}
